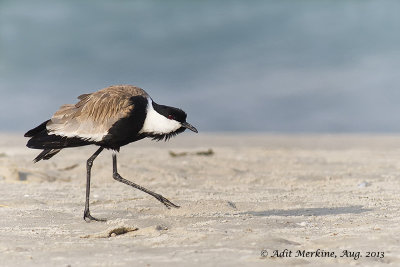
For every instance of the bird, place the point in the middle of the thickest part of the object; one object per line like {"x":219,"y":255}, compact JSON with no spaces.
{"x":109,"y":118}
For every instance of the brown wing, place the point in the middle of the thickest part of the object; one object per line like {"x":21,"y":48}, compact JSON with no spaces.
{"x":95,"y":113}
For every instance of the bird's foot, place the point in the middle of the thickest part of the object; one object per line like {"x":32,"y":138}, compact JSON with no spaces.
{"x":88,"y":218}
{"x":166,"y":202}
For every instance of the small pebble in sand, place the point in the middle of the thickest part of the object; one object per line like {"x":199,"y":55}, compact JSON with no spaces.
{"x":233,"y":205}
{"x":302,"y":224}
{"x":363,"y":184}
{"x":161,"y":228}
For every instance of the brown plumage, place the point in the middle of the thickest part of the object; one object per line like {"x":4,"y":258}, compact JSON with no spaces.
{"x":95,"y":113}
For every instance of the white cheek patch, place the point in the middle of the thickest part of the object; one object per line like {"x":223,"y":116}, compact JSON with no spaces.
{"x":157,"y":123}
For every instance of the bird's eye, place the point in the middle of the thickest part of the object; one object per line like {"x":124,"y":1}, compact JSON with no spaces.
{"x":170,"y":117}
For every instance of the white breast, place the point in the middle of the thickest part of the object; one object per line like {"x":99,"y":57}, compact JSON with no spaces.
{"x":156,"y":123}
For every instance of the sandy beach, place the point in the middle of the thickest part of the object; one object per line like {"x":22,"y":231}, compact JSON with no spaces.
{"x":245,"y":200}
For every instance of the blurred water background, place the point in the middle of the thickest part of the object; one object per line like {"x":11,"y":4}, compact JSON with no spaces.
{"x":272,"y":65}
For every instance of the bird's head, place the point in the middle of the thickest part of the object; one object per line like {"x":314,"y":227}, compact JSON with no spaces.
{"x":179,"y":116}
{"x":163,"y":122}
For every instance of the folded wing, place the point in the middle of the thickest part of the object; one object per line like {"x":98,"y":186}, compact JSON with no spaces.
{"x":92,"y":117}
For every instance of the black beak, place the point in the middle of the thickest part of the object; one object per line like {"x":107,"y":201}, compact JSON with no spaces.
{"x":190,"y":127}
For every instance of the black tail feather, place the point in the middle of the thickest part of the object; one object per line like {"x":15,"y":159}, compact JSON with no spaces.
{"x":50,"y":143}
{"x":46,"y":154}
{"x":43,"y":140}
{"x":36,"y":130}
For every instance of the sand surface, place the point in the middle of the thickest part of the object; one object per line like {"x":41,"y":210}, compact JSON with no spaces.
{"x":256,"y":192}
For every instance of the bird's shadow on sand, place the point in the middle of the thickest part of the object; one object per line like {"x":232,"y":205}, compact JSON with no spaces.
{"x":310,"y":211}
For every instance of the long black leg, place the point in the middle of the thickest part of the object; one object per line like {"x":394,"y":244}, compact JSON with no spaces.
{"x":89,"y":164}
{"x":159,"y":197}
